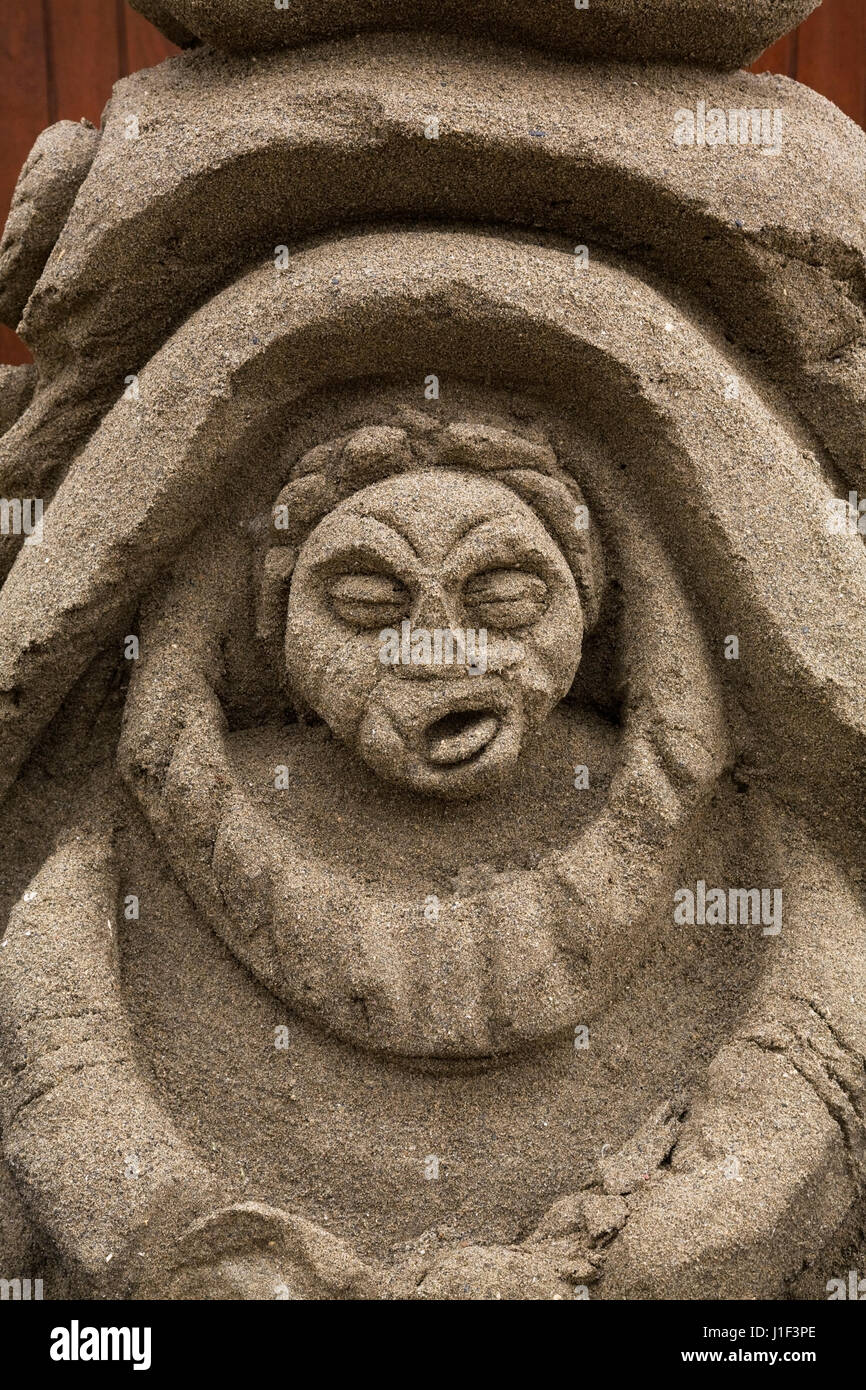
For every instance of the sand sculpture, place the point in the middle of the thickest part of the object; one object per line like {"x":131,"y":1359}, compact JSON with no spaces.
{"x":336,"y":963}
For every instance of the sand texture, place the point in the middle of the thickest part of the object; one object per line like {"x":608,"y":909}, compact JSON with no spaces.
{"x":432,"y":675}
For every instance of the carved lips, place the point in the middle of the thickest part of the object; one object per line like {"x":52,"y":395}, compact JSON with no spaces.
{"x":448,"y":738}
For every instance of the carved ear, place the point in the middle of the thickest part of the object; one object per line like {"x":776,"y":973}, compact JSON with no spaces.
{"x":646,"y":376}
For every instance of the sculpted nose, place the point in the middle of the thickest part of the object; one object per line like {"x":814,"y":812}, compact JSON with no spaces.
{"x":432,"y":614}
{"x":433,"y":610}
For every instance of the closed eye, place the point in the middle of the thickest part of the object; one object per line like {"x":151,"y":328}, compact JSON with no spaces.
{"x":504,"y":599}
{"x":368,"y":600}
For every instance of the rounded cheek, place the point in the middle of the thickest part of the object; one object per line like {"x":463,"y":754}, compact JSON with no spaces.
{"x":552,"y":655}
{"x":333,"y":670}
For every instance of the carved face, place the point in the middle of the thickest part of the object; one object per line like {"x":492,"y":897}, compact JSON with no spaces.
{"x":432,"y":621}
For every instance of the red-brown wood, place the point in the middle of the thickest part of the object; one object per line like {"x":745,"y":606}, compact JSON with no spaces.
{"x":832,"y":55}
{"x":145,"y":46}
{"x":84,"y":53}
{"x":26,"y":109}
{"x":60,"y":58}
{"x":782,"y":57}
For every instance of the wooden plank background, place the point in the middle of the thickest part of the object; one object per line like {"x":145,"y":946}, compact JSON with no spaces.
{"x":60,"y":58}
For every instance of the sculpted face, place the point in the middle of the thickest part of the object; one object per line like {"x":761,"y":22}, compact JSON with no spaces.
{"x":432,"y":621}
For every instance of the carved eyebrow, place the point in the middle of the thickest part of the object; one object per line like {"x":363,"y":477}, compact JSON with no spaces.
{"x":473,"y":526}
{"x":391,"y":526}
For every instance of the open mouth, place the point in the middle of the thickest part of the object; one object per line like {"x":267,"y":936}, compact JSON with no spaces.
{"x":460,"y":736}
{"x":444,"y":738}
